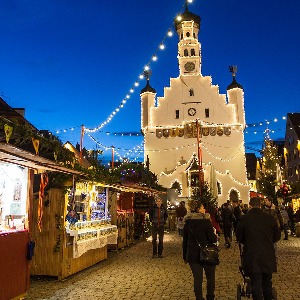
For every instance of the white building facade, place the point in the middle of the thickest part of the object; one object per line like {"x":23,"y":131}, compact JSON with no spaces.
{"x":192,"y":104}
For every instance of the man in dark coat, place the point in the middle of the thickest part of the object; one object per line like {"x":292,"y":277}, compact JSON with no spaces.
{"x":158,"y":216}
{"x":258,"y":232}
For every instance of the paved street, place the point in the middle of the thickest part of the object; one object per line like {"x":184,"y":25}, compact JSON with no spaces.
{"x":132,"y":274}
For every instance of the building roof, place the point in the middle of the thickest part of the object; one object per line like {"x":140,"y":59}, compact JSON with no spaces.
{"x":295,"y":122}
{"x":148,"y":88}
{"x":234,"y":84}
{"x":13,"y":155}
{"x":187,"y":16}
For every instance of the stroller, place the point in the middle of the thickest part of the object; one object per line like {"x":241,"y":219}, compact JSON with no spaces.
{"x":245,"y":289}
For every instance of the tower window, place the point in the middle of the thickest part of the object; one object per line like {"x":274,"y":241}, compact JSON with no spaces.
{"x":193,"y":52}
{"x":181,"y":36}
{"x":191,"y":92}
{"x":188,"y":34}
{"x":186,"y":52}
{"x":194,"y":34}
{"x":177,"y":114}
{"x":206,"y":112}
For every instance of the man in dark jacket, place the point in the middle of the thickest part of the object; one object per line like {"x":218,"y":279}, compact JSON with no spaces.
{"x":258,"y":232}
{"x":158,"y":216}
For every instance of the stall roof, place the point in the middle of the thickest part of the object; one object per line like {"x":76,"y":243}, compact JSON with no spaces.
{"x":132,"y":188}
{"x":14,"y":155}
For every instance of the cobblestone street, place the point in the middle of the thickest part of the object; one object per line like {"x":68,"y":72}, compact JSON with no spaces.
{"x":132,"y":274}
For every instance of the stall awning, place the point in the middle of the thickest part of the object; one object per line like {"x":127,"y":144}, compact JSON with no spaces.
{"x":131,"y":188}
{"x":17,"y":156}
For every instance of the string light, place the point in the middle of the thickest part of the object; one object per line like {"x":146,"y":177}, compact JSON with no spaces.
{"x":154,"y":58}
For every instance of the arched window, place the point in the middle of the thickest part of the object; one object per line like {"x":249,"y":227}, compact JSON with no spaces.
{"x":181,"y":36}
{"x":194,"y":179}
{"x":188,"y":34}
{"x":193,"y":52}
{"x":186,"y":52}
{"x":233,"y":196}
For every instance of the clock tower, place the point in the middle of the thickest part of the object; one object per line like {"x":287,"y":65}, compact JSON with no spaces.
{"x":187,"y":26}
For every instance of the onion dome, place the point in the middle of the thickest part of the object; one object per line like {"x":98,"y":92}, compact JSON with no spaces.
{"x":186,"y":16}
{"x":234,"y":84}
{"x":148,"y":88}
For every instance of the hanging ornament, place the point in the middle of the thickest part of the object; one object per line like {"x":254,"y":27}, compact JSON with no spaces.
{"x":36,"y":144}
{"x":8,"y":131}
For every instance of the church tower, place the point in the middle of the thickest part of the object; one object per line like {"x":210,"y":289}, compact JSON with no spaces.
{"x":187,"y":26}
{"x":193,"y":115}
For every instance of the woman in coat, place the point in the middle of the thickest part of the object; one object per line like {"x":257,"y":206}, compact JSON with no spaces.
{"x":199,"y":223}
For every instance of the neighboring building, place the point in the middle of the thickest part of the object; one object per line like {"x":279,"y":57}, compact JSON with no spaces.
{"x":292,"y":147}
{"x":170,"y":129}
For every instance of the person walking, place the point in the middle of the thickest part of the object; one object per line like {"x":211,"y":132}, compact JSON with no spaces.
{"x":198,"y":226}
{"x":158,"y":216}
{"x":181,"y":211}
{"x":237,"y":212}
{"x":272,"y":209}
{"x":291,"y":214}
{"x":227,"y":218}
{"x":258,"y":232}
{"x":285,"y":221}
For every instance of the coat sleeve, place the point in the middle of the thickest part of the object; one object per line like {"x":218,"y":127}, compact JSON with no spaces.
{"x":165,"y":215}
{"x":151,"y":215}
{"x":210,"y":234}
{"x":184,"y":242}
{"x":240,"y":236}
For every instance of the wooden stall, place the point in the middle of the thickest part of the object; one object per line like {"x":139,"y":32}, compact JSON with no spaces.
{"x":17,"y":169}
{"x":75,"y":233}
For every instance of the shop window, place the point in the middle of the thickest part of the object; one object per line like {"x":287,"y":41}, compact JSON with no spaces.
{"x":206,"y":112}
{"x":186,"y":52}
{"x":177,"y":114}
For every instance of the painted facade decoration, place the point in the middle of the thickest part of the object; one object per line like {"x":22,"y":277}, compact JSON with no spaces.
{"x":170,"y":129}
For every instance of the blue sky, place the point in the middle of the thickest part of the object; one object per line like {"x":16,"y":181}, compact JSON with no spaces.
{"x":72,"y":62}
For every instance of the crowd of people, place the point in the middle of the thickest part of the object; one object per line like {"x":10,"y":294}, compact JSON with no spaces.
{"x":257,"y":227}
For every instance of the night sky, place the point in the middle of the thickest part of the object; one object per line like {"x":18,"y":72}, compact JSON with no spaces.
{"x":72,"y":62}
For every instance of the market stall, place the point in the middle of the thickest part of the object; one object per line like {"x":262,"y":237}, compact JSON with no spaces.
{"x":76,"y":231}
{"x":17,"y":168}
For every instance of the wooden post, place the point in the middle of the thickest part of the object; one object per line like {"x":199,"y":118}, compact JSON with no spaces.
{"x":201,"y":175}
{"x":112,"y":156}
{"x":81,"y":143}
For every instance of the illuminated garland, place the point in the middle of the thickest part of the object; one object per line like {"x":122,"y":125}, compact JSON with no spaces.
{"x":154,"y":58}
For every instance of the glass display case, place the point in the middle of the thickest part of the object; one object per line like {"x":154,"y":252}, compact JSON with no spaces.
{"x":88,"y":220}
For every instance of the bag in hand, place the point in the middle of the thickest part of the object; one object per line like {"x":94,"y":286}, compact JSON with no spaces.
{"x":209,"y":255}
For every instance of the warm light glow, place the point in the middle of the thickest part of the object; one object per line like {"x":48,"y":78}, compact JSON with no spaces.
{"x":162,"y":46}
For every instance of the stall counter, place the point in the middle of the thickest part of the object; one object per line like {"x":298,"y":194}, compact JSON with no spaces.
{"x":14,"y":265}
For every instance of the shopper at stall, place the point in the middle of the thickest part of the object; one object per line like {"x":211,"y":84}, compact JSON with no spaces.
{"x":158,"y":216}
{"x":181,"y":211}
{"x":198,"y":226}
{"x":258,"y":232}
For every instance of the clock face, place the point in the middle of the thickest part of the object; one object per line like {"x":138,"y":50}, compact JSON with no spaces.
{"x":189,"y":66}
{"x":192,"y":111}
